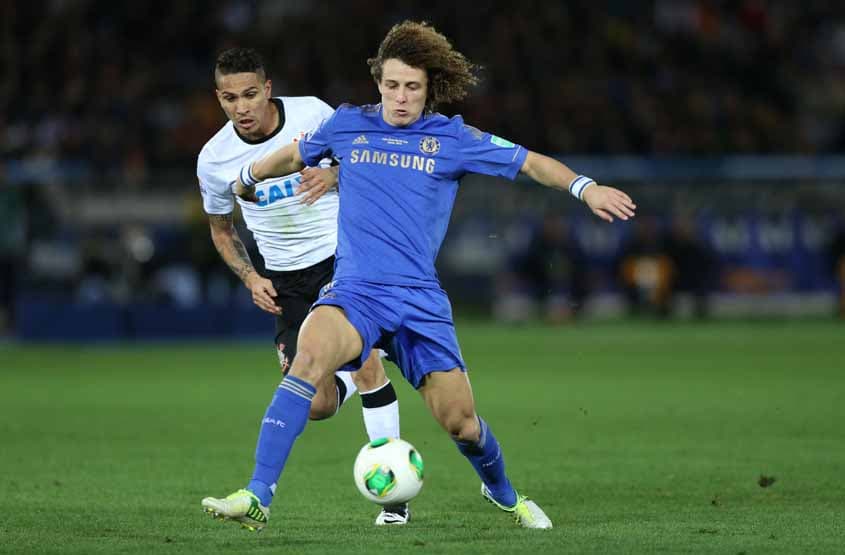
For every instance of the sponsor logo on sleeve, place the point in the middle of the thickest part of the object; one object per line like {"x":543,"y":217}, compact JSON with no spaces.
{"x":498,"y":141}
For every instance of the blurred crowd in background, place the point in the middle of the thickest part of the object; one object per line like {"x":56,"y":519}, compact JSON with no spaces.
{"x":125,"y":88}
{"x":104,"y":100}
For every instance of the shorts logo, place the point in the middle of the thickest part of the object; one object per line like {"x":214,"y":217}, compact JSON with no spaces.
{"x":283,"y":358}
{"x":326,"y":291}
{"x":429,"y":145}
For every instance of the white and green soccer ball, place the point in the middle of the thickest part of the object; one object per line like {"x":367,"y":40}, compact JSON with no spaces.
{"x":388,"y":471}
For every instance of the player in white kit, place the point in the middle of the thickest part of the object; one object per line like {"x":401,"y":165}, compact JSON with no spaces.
{"x":296,"y":239}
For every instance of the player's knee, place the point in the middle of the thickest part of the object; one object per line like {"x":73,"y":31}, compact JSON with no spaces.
{"x":306,"y":366}
{"x":463,"y":427}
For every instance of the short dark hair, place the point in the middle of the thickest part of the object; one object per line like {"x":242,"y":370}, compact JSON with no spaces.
{"x":239,"y":60}
{"x":421,"y":46}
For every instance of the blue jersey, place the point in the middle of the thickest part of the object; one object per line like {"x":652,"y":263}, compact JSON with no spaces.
{"x":398,"y":186}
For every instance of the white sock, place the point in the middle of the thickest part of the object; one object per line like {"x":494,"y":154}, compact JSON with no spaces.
{"x":381,"y":421}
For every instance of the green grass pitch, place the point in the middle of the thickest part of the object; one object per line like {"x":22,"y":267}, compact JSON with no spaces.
{"x":634,"y":437}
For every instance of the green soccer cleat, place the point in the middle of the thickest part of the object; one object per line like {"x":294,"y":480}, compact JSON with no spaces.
{"x":526,"y":513}
{"x":242,"y":507}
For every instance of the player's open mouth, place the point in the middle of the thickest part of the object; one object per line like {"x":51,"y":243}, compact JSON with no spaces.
{"x":246,"y":122}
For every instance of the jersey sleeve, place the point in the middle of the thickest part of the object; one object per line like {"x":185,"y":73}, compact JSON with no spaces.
{"x":216,"y":193}
{"x":326,"y":111}
{"x":482,"y":152}
{"x":316,"y":144}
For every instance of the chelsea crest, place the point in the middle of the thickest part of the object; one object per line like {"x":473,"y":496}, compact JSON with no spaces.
{"x":429,"y":145}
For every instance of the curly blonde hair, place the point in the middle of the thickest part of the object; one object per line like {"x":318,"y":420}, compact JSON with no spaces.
{"x":421,"y":46}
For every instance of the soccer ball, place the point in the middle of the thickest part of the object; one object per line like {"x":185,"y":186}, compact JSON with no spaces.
{"x":388,"y":471}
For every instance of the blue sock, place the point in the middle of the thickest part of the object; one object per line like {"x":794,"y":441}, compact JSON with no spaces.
{"x":486,"y":458}
{"x":283,"y":422}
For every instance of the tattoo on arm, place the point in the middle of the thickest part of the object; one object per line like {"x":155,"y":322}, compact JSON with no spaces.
{"x":229,"y":245}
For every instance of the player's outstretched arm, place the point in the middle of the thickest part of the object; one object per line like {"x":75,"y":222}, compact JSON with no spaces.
{"x":605,"y":202}
{"x":278,"y":163}
{"x":233,"y":252}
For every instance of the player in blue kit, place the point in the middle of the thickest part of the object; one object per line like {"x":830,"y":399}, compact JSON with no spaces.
{"x":400,"y":163}
{"x":296,"y":241}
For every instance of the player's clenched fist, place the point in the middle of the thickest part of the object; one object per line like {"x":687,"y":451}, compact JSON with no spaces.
{"x":243,"y":192}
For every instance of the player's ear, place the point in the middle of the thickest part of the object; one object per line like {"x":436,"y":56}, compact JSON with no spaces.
{"x":268,"y":88}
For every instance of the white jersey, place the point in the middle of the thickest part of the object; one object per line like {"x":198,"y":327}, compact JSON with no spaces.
{"x":290,"y":235}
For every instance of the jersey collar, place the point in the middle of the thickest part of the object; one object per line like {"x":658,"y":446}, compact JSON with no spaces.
{"x":281,"y":106}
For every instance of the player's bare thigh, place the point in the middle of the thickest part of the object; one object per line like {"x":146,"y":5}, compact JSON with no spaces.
{"x":449,"y":398}
{"x":326,"y":342}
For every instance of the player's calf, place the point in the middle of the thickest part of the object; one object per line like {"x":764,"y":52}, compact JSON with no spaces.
{"x":485,"y":455}
{"x":371,"y":375}
{"x":331,"y":392}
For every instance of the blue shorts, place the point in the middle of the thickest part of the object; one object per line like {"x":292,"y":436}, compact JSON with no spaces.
{"x":412,"y":324}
